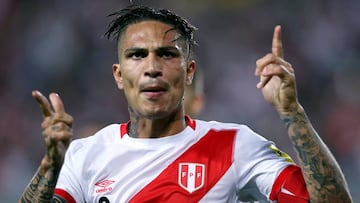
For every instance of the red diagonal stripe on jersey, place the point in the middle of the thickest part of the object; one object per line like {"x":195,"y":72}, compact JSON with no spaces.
{"x":214,"y":150}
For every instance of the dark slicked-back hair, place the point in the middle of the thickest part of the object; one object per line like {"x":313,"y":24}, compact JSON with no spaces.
{"x":136,"y":13}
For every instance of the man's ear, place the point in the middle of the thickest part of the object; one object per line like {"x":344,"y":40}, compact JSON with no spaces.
{"x":190,"y":71}
{"x":117,"y":75}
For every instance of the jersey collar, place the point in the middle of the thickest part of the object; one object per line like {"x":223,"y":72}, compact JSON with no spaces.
{"x":124,"y":126}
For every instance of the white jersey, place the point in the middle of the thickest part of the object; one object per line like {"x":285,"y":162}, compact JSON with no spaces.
{"x":206,"y":162}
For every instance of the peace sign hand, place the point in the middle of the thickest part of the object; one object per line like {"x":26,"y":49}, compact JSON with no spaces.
{"x":277,"y":78}
{"x":57,"y":129}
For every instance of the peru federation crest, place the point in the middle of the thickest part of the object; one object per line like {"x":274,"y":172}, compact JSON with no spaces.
{"x":191,"y":176}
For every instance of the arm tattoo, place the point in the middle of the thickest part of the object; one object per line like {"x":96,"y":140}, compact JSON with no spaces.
{"x":324,"y":179}
{"x":41,"y":188}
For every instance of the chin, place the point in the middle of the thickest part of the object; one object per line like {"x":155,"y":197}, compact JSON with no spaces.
{"x":159,"y":113}
{"x":156,"y":114}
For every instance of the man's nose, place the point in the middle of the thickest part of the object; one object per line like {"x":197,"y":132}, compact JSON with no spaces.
{"x":153,"y":68}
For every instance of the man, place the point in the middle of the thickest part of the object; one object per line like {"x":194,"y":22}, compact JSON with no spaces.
{"x":161,"y":155}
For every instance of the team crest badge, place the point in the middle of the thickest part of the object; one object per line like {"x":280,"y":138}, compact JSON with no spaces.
{"x":191,"y":176}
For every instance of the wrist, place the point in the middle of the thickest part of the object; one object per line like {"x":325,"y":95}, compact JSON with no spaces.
{"x":290,"y":110}
{"x":47,"y":164}
{"x":294,"y":115}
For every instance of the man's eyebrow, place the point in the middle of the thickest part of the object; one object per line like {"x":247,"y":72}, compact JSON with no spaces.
{"x":168,"y":48}
{"x":134,"y":49}
{"x":164,"y":48}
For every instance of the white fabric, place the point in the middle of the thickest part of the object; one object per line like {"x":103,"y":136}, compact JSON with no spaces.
{"x":126,"y":165}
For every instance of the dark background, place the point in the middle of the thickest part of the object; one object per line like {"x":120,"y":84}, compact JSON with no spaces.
{"x":58,"y":46}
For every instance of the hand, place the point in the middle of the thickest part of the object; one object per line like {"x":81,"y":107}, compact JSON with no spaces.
{"x":277,"y":78}
{"x":57,"y":129}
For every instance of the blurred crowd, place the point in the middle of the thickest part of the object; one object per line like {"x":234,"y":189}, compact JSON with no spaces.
{"x":58,"y":46}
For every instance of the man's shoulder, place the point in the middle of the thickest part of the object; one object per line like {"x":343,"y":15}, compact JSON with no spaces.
{"x":218,"y":125}
{"x":106,"y":134}
{"x":243,"y":131}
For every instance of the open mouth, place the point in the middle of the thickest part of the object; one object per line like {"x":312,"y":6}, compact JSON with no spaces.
{"x":153,"y":92}
{"x":153,"y":89}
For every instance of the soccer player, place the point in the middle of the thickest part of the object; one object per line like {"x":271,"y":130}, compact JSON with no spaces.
{"x":162,"y":155}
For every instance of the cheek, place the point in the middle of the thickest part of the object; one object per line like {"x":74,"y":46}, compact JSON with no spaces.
{"x":129,"y":74}
{"x":178,"y":77}
{"x":128,"y":84}
{"x":179,"y":86}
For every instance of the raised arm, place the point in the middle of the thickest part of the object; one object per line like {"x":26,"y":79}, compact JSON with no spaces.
{"x":324,"y":179}
{"x":57,"y":133}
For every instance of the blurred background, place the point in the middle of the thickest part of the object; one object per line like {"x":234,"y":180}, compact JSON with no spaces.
{"x":58,"y":46}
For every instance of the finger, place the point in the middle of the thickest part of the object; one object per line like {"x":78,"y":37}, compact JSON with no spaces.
{"x":61,"y":126}
{"x":64,"y":118}
{"x":288,"y":70}
{"x":277,"y":48}
{"x":269,"y":71}
{"x":264,"y":61}
{"x":57,"y":103}
{"x":277,"y":69}
{"x":263,"y":81}
{"x":44,"y":103}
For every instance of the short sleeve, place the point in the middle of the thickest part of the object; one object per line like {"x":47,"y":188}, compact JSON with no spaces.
{"x":68,"y":185}
{"x":257,"y":164}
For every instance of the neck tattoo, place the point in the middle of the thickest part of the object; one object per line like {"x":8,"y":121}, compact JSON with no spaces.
{"x":132,"y":129}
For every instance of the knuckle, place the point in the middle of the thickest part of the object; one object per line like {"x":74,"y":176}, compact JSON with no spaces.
{"x":46,"y":122}
{"x":258,"y":62}
{"x":69,"y":118}
{"x":273,"y":57}
{"x":269,"y":55}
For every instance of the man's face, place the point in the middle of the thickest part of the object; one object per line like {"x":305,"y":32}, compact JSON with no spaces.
{"x":153,"y":69}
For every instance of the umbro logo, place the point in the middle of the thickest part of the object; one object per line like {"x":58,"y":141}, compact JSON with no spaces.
{"x":104,"y":186}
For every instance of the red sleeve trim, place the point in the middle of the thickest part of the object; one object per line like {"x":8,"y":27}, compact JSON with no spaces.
{"x":65,"y":195}
{"x":280,"y":181}
{"x":290,"y":179}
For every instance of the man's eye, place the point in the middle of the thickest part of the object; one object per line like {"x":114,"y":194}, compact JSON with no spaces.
{"x":137,"y":55}
{"x":167,"y":55}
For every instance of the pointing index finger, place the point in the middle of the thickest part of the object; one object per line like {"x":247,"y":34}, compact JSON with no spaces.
{"x":277,"y":48}
{"x":43,"y":102}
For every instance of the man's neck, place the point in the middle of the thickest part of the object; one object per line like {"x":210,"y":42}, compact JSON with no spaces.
{"x":156,"y":128}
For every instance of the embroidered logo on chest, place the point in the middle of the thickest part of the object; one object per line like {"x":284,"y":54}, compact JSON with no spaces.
{"x":191,"y":176}
{"x":104,"y":186}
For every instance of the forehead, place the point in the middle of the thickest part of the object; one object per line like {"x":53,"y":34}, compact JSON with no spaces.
{"x":149,"y":31}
